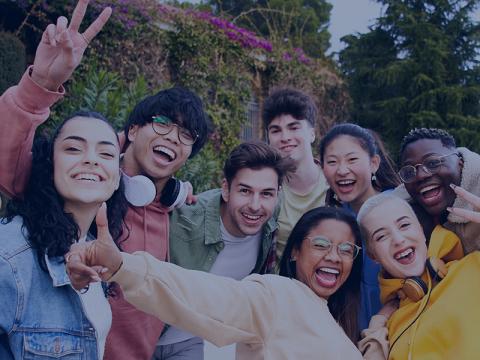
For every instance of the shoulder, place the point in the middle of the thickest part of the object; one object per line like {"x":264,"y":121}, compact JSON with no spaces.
{"x":204,"y":200}
{"x":13,"y":237}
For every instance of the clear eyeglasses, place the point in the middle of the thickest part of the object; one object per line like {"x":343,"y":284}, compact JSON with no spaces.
{"x":162,"y":125}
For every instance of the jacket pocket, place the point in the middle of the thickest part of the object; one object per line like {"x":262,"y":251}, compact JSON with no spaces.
{"x":52,"y":345}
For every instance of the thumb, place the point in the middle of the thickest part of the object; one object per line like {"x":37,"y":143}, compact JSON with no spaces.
{"x":103,"y":233}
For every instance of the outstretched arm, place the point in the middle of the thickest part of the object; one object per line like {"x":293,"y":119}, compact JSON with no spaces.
{"x":219,"y":309}
{"x":25,"y":106}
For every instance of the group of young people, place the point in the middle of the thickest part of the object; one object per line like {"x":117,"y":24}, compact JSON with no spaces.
{"x":101,"y":259}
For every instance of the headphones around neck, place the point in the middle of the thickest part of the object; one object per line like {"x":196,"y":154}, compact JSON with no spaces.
{"x":415,"y":288}
{"x":141,"y":191}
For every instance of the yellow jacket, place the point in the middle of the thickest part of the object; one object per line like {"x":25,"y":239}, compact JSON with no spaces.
{"x":445,"y":323}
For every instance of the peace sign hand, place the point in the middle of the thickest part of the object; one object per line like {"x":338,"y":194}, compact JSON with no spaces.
{"x":61,"y":48}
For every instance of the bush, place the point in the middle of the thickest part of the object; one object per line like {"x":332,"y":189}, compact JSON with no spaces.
{"x":12,"y":60}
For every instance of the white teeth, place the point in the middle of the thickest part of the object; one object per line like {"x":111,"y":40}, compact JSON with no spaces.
{"x":166,"y":151}
{"x":345,"y":182}
{"x":329,"y":270}
{"x":252,"y":217}
{"x":404,"y":253}
{"x":428,"y":188}
{"x":85,"y":176}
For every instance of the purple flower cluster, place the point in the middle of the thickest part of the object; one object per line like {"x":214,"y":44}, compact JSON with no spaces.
{"x":129,"y":13}
{"x":246,"y":38}
{"x":297,"y":54}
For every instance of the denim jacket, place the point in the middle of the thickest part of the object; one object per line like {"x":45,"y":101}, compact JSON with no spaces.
{"x":41,"y":316}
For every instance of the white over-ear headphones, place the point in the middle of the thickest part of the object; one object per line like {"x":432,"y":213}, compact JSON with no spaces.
{"x":141,"y":191}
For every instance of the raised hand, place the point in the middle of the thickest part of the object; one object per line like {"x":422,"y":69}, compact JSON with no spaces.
{"x":62,"y":46}
{"x":474,"y":200}
{"x":96,"y":259}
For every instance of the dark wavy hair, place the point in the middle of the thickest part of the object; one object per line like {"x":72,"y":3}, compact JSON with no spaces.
{"x":50,"y":229}
{"x":180,"y":105}
{"x":370,"y":141}
{"x":344,"y":304}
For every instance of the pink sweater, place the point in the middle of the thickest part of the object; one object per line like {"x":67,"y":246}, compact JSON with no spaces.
{"x":23,"y":108}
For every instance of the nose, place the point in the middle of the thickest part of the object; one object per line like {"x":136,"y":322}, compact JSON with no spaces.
{"x":90,"y":157}
{"x":421,"y":172}
{"x":332,"y":254}
{"x":342,"y":168}
{"x":397,"y":238}
{"x":254,"y":203}
{"x":173,"y":134}
{"x":285,"y":135}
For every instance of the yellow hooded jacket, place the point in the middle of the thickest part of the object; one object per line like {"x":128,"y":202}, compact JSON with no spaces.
{"x":445,"y":324}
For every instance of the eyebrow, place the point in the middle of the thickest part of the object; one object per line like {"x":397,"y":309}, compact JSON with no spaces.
{"x":248,"y":186}
{"x":78,"y":138}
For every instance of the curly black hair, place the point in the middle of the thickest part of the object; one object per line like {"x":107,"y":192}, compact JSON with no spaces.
{"x":50,"y":229}
{"x":431,"y":133}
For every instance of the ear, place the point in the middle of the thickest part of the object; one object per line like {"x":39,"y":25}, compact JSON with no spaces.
{"x":225,"y":190}
{"x":117,"y":184}
{"x":294,"y":254}
{"x":375,"y":163}
{"x":132,"y":132}
{"x":312,"y":134}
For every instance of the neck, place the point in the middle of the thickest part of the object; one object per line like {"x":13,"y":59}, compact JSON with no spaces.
{"x":305,"y":177}
{"x":131,"y":167}
{"x":83,"y":214}
{"x":357,"y":203}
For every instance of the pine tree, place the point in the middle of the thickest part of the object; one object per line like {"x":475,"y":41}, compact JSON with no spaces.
{"x":418,"y":66}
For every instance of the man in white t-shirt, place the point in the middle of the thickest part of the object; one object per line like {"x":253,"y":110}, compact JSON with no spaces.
{"x":228,"y":231}
{"x":289,"y":120}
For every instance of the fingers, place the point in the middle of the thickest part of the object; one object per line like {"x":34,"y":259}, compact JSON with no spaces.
{"x":470,"y":215}
{"x":78,"y":14}
{"x":103,"y":233}
{"x":97,"y":25}
{"x":191,"y":199}
{"x":80,"y":275}
{"x":49,"y":35}
{"x":468,"y":196}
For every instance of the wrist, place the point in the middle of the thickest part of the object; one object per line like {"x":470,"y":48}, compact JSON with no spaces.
{"x":43,"y":81}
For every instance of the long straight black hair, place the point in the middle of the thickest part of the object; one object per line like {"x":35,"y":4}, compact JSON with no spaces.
{"x":344,"y":304}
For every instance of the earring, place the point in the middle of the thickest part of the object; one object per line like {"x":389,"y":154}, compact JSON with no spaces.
{"x":374,"y":177}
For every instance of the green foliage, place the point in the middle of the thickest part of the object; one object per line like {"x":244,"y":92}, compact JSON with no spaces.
{"x":302,"y":23}
{"x":12,"y":60}
{"x":417,"y":67}
{"x":101,"y":91}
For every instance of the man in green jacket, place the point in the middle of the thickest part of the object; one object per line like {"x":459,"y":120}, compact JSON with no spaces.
{"x":229,"y":231}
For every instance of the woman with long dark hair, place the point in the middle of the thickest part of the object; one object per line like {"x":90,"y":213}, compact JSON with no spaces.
{"x":73,"y":172}
{"x":268,"y":316}
{"x":357,"y":167}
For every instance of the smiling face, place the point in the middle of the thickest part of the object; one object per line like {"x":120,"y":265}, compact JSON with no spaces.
{"x":395,"y":238}
{"x":291,"y":137}
{"x":153,"y":155}
{"x":348,"y":169}
{"x":249,"y":201}
{"x":86,"y":162}
{"x":324,"y":272}
{"x":432,"y":192}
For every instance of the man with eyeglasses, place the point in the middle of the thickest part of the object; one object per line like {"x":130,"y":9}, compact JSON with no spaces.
{"x":162,"y":132}
{"x":229,"y":231}
{"x":430,"y":163}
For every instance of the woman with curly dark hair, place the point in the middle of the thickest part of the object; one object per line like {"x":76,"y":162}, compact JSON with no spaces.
{"x":73,"y":173}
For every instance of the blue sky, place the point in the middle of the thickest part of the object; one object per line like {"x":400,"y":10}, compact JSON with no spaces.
{"x":352,"y":16}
